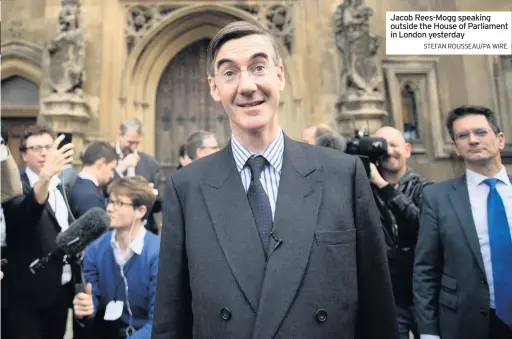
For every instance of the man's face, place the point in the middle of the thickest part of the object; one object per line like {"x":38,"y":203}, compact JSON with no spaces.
{"x":105,"y":171}
{"x":475,"y":140}
{"x":398,"y":149}
{"x":250,"y":100}
{"x":121,"y":211}
{"x":308,"y":136}
{"x":38,"y":147}
{"x":129,"y":141}
{"x":210,"y":146}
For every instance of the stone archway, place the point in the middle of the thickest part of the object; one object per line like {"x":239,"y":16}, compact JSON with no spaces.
{"x":150,"y":56}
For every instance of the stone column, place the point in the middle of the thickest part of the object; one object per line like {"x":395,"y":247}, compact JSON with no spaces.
{"x":64,"y":105}
{"x":361,"y":101}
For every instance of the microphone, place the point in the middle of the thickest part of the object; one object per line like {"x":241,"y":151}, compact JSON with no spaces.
{"x":77,"y":237}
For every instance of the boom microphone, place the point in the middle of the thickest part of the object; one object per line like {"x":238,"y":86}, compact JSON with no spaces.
{"x":77,"y":237}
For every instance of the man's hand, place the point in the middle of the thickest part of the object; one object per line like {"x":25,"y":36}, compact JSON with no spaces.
{"x":57,"y":158}
{"x":376,"y":178}
{"x":82,"y":304}
{"x":131,"y":160}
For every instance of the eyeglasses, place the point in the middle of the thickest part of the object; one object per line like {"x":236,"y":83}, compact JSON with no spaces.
{"x":477,"y":132}
{"x":118,"y":204}
{"x":39,"y":148}
{"x":231,"y":76}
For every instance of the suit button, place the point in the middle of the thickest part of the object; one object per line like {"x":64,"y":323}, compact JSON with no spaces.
{"x":483,"y":312}
{"x":225,"y":314}
{"x":321,"y":315}
{"x":483,"y":282}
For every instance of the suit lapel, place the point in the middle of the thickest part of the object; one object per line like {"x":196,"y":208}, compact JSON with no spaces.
{"x":298,"y":202}
{"x":234,"y":224}
{"x":27,"y":188}
{"x":462,"y":208}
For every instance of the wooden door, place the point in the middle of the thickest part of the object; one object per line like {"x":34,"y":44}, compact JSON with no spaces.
{"x":184,"y":105}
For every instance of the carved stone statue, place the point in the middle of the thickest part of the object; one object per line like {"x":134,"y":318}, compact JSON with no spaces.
{"x":66,"y":52}
{"x":361,"y":76}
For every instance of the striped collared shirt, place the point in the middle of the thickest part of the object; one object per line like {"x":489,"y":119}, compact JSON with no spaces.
{"x":272,"y":172}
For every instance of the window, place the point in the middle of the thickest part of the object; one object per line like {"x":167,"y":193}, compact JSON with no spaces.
{"x":410,"y":113}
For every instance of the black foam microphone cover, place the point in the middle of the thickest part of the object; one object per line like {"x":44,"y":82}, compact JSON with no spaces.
{"x":89,"y":227}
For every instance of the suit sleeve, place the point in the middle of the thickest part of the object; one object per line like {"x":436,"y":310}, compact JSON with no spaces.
{"x":427,"y":269}
{"x":82,"y":204}
{"x":376,"y":318}
{"x":173,"y":313}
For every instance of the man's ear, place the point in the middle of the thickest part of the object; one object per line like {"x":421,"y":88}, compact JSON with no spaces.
{"x":408,"y":149}
{"x":454,"y":145}
{"x":214,"y":89}
{"x":141,"y":211}
{"x":100,"y":162}
{"x":280,"y":75}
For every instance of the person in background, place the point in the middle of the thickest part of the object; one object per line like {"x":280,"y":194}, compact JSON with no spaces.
{"x":134,"y":162}
{"x":463,"y":267}
{"x":11,"y":183}
{"x":183,"y":158}
{"x":120,"y":267}
{"x":201,"y":144}
{"x":36,"y":306}
{"x":99,"y":161}
{"x":310,"y":134}
{"x":398,"y":192}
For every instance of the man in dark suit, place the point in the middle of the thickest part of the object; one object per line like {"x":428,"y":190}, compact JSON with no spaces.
{"x":36,"y":306}
{"x":462,"y":277}
{"x":99,"y":160}
{"x":298,"y":252}
{"x":134,"y":162}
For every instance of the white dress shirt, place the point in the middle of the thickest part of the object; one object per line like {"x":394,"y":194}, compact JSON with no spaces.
{"x":130,"y":172}
{"x":59,"y":207}
{"x":478,"y":192}
{"x":135,"y":247}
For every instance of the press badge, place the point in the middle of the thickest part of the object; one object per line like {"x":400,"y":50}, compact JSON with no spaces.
{"x":114,"y":310}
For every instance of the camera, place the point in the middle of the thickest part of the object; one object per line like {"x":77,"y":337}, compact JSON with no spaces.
{"x":368,"y":149}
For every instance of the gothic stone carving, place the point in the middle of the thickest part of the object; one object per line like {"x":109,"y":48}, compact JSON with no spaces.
{"x":141,"y":18}
{"x":277,"y":18}
{"x":65,"y":53}
{"x":361,"y":76}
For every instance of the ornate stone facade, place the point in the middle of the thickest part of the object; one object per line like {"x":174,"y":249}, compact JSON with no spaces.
{"x":333,"y":52}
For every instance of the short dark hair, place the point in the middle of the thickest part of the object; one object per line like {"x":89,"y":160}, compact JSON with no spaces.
{"x":465,"y":110}
{"x":236,"y":30}
{"x":182,"y":150}
{"x":98,"y":150}
{"x":34,"y":130}
{"x":332,"y":140}
{"x":195,"y":141}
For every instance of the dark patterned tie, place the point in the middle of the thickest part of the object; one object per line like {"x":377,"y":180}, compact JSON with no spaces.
{"x":259,"y":202}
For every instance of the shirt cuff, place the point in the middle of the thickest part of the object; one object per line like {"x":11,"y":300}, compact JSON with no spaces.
{"x":429,"y":336}
{"x":4,"y":155}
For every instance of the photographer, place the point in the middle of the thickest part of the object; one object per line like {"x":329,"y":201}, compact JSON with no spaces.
{"x":398,"y":192}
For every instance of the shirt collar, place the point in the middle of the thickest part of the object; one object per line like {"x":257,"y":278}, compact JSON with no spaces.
{"x":87,"y":176}
{"x":474,"y":179}
{"x":137,"y":243}
{"x":273,"y":153}
{"x":33,"y":177}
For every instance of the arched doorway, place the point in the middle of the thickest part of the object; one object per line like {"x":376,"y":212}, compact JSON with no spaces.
{"x":184,"y":105}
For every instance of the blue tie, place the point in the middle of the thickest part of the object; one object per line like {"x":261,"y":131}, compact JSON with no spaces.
{"x":259,"y":202}
{"x":501,"y":252}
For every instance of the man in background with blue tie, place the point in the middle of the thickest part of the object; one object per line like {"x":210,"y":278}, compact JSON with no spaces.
{"x":463,"y":264}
